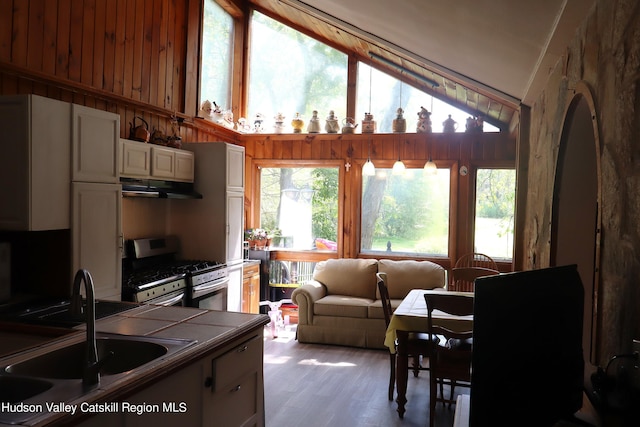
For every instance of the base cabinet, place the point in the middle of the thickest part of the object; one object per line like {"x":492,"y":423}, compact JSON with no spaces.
{"x":251,"y":288}
{"x":225,"y":388}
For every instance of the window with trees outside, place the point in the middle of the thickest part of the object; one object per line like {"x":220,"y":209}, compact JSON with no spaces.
{"x":299,"y":206}
{"x":406,"y":214}
{"x":291,"y":73}
{"x":494,"y":212}
{"x":217,"y":51}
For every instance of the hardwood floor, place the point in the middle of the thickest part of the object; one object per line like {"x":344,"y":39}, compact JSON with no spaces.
{"x":321,"y":386}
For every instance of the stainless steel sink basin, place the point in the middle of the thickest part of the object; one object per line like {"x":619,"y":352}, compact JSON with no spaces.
{"x":42,"y":376}
{"x":67,"y":362}
{"x":17,"y":389}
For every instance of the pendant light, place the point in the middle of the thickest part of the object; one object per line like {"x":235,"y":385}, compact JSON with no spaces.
{"x":398,"y":166}
{"x":430,"y":167}
{"x":368,"y":169}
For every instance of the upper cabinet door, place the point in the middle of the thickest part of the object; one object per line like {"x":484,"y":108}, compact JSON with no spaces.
{"x":95,"y":142}
{"x":135,"y":159}
{"x":235,"y":168}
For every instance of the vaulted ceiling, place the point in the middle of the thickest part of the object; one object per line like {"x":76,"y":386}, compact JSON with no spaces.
{"x":485,"y":57}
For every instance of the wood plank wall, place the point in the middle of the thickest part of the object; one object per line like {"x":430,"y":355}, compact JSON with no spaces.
{"x":124,"y":56}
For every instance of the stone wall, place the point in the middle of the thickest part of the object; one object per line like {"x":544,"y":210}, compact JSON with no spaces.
{"x":605,"y":55}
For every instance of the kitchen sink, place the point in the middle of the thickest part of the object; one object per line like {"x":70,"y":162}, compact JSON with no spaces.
{"x":67,"y":362}
{"x":16,"y":389}
{"x":43,"y":376}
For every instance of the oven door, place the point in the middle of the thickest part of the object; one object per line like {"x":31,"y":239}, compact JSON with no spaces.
{"x":171,"y":299}
{"x":210,"y":295}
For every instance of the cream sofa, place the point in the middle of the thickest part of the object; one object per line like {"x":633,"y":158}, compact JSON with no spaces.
{"x":342,"y":306}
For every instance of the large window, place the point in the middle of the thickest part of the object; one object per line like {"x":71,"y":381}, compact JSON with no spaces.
{"x":381,"y":95}
{"x":217,"y":50}
{"x":495,"y":206}
{"x":291,"y":73}
{"x":406,"y":214}
{"x":300,"y":206}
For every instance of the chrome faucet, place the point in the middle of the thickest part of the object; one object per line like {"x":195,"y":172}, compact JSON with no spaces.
{"x":91,"y":368}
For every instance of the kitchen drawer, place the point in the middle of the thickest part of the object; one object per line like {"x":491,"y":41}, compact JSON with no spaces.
{"x":236,"y":362}
{"x":237,"y":404}
{"x":248,"y":271}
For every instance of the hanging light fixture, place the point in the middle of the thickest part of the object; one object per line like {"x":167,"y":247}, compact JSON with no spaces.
{"x":368,"y":169}
{"x":398,"y":166}
{"x":430,"y":167}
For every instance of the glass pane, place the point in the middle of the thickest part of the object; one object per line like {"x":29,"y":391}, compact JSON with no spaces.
{"x":217,"y":48}
{"x":291,"y":73}
{"x":495,"y":206}
{"x":406,"y":214}
{"x":381,"y":95}
{"x":301,"y":204}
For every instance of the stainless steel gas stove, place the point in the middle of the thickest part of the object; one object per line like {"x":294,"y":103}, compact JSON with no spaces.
{"x":153,"y":274}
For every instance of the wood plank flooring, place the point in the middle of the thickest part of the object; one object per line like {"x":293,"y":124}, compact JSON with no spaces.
{"x":320,"y":386}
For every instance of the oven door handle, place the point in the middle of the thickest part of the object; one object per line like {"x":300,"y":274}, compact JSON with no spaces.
{"x":169,"y":301}
{"x":205,"y":287}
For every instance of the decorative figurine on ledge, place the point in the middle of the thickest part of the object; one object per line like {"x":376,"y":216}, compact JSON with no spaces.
{"x":368,"y":124}
{"x":332,"y":125}
{"x":257,"y":123}
{"x":297,"y":123}
{"x":399,"y":124}
{"x":424,"y":121}
{"x":449,"y":125}
{"x":279,"y":125}
{"x":314,"y":123}
{"x":349,"y":125}
{"x":474,"y":124}
{"x":205,"y":110}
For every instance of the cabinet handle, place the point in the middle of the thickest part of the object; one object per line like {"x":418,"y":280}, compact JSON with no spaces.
{"x":208,"y":382}
{"x":235,"y":389}
{"x":242,"y":349}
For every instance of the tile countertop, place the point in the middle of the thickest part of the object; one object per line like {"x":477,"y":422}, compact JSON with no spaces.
{"x":211,"y":329}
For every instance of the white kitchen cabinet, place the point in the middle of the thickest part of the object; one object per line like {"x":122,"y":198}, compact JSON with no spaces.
{"x":172,"y":164}
{"x":35,"y":163}
{"x":97,"y":236}
{"x":211,"y":228}
{"x":135,"y":159}
{"x":235,"y":396}
{"x":95,"y":145}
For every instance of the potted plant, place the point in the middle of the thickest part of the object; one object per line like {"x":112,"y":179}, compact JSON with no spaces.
{"x":257,"y":238}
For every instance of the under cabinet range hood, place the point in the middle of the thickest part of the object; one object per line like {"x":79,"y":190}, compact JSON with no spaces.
{"x":151,"y":188}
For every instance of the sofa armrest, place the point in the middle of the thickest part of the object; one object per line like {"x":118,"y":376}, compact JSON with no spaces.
{"x":304,"y":297}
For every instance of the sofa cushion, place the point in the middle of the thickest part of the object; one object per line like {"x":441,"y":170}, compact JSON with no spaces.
{"x":342,"y":306}
{"x":404,"y":275}
{"x":348,"y":276}
{"x":375,"y":308}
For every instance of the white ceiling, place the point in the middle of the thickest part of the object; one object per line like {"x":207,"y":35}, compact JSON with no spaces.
{"x":504,"y":46}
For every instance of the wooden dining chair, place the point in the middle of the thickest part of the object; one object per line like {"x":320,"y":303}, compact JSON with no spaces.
{"x":476,"y":259}
{"x":463,"y":278}
{"x":418,"y":344}
{"x":451,"y":358}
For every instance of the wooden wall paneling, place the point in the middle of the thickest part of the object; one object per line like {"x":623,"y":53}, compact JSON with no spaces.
{"x":120,"y":16}
{"x":99,"y":43}
{"x":155,"y":52}
{"x":192,"y":55}
{"x":137,"y":34}
{"x":75,"y":41}
{"x":148,"y":75}
{"x":63,"y":42}
{"x":50,"y":30}
{"x":19,"y":46}
{"x":132,"y":50}
{"x":108,"y":74}
{"x":6,"y":29}
{"x":87,"y":42}
{"x":167,"y":88}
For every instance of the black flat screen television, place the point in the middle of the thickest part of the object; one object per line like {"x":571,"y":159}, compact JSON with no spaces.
{"x":527,"y":360}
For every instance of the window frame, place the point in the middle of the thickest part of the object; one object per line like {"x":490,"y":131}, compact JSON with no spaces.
{"x":471,"y":201}
{"x":452,"y":165}
{"x":257,"y":185}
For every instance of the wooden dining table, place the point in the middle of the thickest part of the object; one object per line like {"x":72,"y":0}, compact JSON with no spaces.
{"x":411,"y":316}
